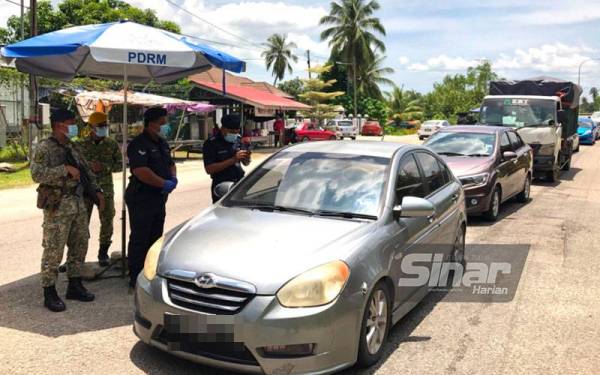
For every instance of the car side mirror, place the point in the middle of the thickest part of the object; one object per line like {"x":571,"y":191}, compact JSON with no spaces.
{"x":223,"y":188}
{"x":562,"y":117}
{"x":414,"y":207}
{"x":509,"y":155}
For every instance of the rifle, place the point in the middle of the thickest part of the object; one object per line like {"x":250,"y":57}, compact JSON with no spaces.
{"x":85,"y":187}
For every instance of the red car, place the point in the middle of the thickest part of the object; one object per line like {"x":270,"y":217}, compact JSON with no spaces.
{"x":311,"y":132}
{"x":372,"y":128}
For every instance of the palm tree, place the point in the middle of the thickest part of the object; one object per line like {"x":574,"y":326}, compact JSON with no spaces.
{"x":406,"y":105}
{"x":278,"y":54}
{"x":372,"y":75}
{"x":353,"y":32}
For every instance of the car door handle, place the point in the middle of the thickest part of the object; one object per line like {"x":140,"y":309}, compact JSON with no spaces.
{"x":431,"y":218}
{"x":454,"y":197}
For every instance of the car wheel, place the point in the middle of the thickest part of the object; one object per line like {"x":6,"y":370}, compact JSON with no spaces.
{"x":458,"y":250}
{"x":523,"y":196}
{"x":421,"y":138}
{"x":353,"y":138}
{"x":553,"y":175}
{"x":305,"y":139}
{"x":375,"y":326}
{"x":333,"y":138}
{"x":492,"y":213}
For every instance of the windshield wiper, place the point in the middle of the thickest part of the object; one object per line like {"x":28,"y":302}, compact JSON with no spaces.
{"x":451,"y":154}
{"x":345,"y":215}
{"x":271,"y":207}
{"x":478,"y":155}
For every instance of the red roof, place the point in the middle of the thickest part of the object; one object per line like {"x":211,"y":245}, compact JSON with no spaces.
{"x":252,"y":96}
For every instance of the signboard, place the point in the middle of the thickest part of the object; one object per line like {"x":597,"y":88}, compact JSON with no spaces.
{"x":264,"y":112}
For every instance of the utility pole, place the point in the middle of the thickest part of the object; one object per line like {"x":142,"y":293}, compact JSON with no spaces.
{"x":354,"y":80}
{"x":33,"y":110}
{"x":308,"y":61}
{"x":22,"y":37}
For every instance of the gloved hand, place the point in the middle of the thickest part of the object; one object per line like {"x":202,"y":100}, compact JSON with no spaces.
{"x":174,"y":179}
{"x":169,"y":186}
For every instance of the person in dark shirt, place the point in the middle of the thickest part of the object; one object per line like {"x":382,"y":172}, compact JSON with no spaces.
{"x":223,"y":155}
{"x":153,"y":178}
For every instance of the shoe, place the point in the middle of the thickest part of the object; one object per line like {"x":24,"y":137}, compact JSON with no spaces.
{"x":62,"y":268}
{"x":103,"y":259}
{"x":77,"y":291}
{"x":52,"y":301}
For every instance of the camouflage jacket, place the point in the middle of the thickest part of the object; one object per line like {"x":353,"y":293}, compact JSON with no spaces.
{"x":108,"y":153}
{"x":48,"y":164}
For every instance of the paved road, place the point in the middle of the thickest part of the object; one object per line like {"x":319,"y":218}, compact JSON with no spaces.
{"x":552,"y":325}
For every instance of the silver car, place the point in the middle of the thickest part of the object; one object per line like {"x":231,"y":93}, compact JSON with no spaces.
{"x":296,"y":269}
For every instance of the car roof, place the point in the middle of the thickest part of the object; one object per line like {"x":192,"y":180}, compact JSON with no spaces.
{"x":366,"y":148}
{"x":485,"y":129}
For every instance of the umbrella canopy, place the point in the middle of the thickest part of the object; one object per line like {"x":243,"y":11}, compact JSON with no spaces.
{"x":103,"y":50}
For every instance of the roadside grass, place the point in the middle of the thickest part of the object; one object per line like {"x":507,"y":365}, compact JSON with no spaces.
{"x":390,"y":130}
{"x":22,"y":177}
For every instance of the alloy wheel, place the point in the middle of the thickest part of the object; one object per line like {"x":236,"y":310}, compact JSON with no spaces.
{"x":377,"y":322}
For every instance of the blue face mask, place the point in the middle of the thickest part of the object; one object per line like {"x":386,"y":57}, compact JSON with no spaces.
{"x":231,"y":137}
{"x":73,"y":131}
{"x":102,"y":132}
{"x":165,"y":129}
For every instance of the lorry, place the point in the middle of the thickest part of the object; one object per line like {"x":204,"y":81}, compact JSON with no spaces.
{"x":544,"y":111}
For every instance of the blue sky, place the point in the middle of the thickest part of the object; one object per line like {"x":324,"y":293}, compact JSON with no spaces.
{"x":425,"y":39}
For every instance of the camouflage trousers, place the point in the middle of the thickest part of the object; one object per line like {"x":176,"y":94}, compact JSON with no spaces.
{"x":67,"y":225}
{"x":106,"y":217}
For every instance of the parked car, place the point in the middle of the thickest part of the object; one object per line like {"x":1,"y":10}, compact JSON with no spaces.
{"x":430,"y":127}
{"x":587,"y":131}
{"x":596,"y":117}
{"x":372,"y":128}
{"x":309,"y":131}
{"x":343,"y":127}
{"x":493,"y":164}
{"x":279,"y":298}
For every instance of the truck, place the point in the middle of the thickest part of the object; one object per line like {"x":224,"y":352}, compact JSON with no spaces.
{"x":544,"y":111}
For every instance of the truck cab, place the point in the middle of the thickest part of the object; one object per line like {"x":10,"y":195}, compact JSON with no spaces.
{"x":537,"y":119}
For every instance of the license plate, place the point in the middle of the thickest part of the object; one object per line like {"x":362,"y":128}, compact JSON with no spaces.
{"x":197,"y":329}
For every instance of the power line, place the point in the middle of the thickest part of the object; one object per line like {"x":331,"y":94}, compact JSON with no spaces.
{"x":15,"y":3}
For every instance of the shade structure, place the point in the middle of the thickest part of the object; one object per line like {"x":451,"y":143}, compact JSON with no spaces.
{"x":118,"y":50}
{"x":102,"y":50}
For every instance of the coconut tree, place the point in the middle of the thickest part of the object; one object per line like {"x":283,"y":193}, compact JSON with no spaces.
{"x":278,"y":55}
{"x":353,"y":32}
{"x":372,"y":75}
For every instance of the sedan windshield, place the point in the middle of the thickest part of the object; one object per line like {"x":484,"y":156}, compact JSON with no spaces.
{"x":585,"y":123}
{"x":518,"y":112}
{"x":315,"y":183}
{"x":462,"y":144}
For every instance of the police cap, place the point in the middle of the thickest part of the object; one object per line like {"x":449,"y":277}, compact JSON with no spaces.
{"x":231,"y":121}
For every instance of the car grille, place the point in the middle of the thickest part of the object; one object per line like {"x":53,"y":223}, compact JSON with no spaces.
{"x":206,"y":300}
{"x":235,"y":352}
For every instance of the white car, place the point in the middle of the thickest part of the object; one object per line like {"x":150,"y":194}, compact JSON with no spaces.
{"x":430,"y":127}
{"x":343,"y":128}
{"x":595,"y":117}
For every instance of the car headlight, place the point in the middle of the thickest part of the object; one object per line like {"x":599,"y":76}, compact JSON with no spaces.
{"x":587,"y":132}
{"x":315,"y":287}
{"x":151,"y":262}
{"x":474,"y":180}
{"x":546,"y":150}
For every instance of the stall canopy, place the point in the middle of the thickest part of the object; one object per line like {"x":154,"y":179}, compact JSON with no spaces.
{"x":87,"y":102}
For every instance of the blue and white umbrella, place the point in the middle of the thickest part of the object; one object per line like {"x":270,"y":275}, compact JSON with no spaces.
{"x":117,"y":50}
{"x":120,"y":51}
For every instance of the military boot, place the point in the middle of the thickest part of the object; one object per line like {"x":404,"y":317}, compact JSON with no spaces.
{"x":103,"y":259}
{"x":52,"y":301}
{"x":77,"y":291}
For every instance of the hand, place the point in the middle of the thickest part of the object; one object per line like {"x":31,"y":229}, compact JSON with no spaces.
{"x":73,"y":172}
{"x":241,"y":155}
{"x":175,"y":180}
{"x":169,"y":186}
{"x":101,"y":202}
{"x":96,"y":166}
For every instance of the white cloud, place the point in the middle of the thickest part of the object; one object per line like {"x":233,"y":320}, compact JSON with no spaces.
{"x":444,"y":63}
{"x":8,"y":9}
{"x":561,"y":13}
{"x":403,"y":60}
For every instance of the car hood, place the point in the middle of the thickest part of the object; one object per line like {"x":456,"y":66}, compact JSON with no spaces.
{"x":582,"y":131}
{"x":266,"y":249}
{"x":464,"y":165}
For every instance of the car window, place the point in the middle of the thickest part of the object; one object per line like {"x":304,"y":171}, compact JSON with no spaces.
{"x":505,"y":143}
{"x":433,"y":175}
{"x":446,"y":172}
{"x":515,"y":141}
{"x":409,"y":181}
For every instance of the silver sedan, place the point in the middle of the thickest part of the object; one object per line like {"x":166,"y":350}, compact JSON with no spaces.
{"x":297,"y":269}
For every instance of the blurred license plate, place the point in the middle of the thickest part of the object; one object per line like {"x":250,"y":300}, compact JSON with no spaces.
{"x":198,"y":328}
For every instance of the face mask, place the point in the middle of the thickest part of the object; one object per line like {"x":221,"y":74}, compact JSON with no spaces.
{"x":102,"y":132}
{"x":231,"y":137}
{"x":165,"y":129}
{"x":73,"y":131}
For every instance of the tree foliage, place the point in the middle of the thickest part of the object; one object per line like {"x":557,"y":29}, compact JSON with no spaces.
{"x":294,"y":87}
{"x":278,"y":55}
{"x":316,"y":96}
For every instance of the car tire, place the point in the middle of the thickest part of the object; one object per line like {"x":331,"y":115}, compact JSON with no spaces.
{"x":553,"y":175}
{"x":421,"y":138}
{"x":523,"y":196}
{"x":492,"y":213}
{"x":377,"y":327}
{"x":353,"y":138}
{"x":333,"y":138}
{"x":305,"y":139}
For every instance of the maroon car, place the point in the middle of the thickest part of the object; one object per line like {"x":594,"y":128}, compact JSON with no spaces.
{"x":492,"y":162}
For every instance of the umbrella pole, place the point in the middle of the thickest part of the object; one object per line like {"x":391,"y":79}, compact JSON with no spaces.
{"x":123,"y":152}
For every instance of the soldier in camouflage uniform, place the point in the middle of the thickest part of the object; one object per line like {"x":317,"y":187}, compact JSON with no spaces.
{"x":104,"y":157}
{"x":60,"y":195}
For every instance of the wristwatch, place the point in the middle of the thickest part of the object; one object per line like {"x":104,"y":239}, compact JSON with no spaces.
{"x":99,"y":190}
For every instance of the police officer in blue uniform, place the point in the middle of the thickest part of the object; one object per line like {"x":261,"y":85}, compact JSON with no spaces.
{"x":153,"y":178}
{"x":223,"y":154}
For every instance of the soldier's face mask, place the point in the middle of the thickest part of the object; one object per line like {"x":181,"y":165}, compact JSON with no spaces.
{"x":72,"y":131}
{"x":102,"y":131}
